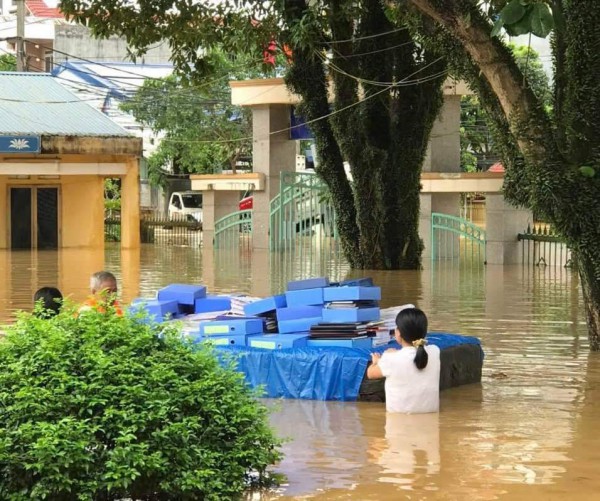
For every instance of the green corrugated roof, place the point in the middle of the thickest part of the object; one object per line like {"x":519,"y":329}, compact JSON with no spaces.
{"x":37,"y":104}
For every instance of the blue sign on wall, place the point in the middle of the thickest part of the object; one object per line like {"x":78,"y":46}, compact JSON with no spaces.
{"x":298,"y":130}
{"x":20,"y":144}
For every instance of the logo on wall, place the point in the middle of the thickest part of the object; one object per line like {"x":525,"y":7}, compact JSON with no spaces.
{"x":20,"y":144}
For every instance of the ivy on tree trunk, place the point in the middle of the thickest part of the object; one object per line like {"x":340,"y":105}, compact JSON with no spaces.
{"x":552,"y":160}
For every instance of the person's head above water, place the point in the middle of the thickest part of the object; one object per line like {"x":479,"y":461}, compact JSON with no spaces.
{"x":411,"y":326}
{"x":51,"y":299}
{"x":103,"y":282}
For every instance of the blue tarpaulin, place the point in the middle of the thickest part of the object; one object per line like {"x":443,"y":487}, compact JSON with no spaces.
{"x":331,"y":373}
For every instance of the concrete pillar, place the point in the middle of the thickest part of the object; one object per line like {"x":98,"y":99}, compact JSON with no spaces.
{"x":130,"y":206}
{"x":443,"y":155}
{"x":503,"y":223}
{"x":272,"y":154}
{"x":215,"y":205}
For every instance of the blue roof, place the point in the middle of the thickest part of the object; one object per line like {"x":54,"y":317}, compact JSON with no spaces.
{"x":37,"y":104}
{"x":120,"y":79}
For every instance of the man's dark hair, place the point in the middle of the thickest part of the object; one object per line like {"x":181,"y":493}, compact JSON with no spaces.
{"x":51,"y":300}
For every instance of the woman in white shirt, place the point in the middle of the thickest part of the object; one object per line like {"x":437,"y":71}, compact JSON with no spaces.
{"x":412,"y":374}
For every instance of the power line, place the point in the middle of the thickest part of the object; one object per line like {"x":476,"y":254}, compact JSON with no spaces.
{"x":367,"y":37}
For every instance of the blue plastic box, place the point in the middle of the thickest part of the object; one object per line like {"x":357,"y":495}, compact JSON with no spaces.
{"x":225,"y":327}
{"x":310,"y":283}
{"x":352,"y":293}
{"x":362,"y":343}
{"x":212,"y":303}
{"x":296,"y":312}
{"x":265,"y":305}
{"x":231,"y":340}
{"x":305,"y":297}
{"x":360,"y":282}
{"x":156,"y":310}
{"x":278,"y":341}
{"x":183,"y":294}
{"x":347,"y":315}
{"x":298,"y":325}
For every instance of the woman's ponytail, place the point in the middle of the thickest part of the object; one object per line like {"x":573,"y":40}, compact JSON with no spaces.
{"x":412,"y":325}
{"x":421,"y":357}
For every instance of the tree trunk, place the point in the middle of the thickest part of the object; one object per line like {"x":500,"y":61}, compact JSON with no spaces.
{"x":548,"y":179}
{"x":306,"y":77}
{"x":590,"y":287}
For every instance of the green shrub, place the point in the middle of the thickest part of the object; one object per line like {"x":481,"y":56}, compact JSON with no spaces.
{"x":99,"y":407}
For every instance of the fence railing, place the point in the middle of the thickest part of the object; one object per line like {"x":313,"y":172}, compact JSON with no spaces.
{"x":233,"y":230}
{"x":542,"y":246}
{"x":456,"y":238}
{"x":160,"y":230}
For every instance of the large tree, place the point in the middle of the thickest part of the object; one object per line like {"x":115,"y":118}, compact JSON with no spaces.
{"x":386,"y":86}
{"x":552,"y":158}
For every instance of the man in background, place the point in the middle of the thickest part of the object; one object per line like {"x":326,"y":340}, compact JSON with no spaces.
{"x":103,"y":285}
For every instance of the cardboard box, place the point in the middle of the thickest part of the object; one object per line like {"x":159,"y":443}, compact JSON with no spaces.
{"x":212,"y":303}
{"x":278,"y":341}
{"x":296,"y":312}
{"x":305,"y":297}
{"x":227,"y":327}
{"x":361,"y":343}
{"x":310,"y":283}
{"x":265,"y":305}
{"x":352,"y":293}
{"x":182,"y":293}
{"x":156,"y":310}
{"x":298,"y":325}
{"x":347,"y":315}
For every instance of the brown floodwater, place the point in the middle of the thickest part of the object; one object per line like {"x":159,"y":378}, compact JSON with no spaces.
{"x":530,"y":430}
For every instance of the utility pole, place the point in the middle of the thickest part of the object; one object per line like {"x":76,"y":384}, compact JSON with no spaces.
{"x":21,"y":35}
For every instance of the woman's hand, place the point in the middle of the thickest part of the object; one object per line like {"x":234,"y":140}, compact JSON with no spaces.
{"x":375,"y":358}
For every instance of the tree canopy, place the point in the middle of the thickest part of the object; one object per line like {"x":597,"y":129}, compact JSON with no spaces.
{"x":200,"y":131}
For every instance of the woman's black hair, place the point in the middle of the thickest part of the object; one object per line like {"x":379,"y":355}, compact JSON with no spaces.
{"x":51,"y":299}
{"x":412,"y":324}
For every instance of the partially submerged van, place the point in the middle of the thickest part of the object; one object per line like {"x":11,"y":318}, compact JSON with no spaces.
{"x":186,"y":205}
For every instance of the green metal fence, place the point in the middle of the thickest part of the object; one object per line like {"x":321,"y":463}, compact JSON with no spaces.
{"x":160,"y":230}
{"x":234,"y":230}
{"x":542,"y":246}
{"x":456,"y":238}
{"x":301,"y":212}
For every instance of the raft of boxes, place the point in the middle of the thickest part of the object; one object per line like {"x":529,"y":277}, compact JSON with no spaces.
{"x":312,"y":312}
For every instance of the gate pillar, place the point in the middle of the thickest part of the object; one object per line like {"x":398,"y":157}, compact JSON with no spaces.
{"x":272,"y":153}
{"x":443,"y":155}
{"x":503,"y":223}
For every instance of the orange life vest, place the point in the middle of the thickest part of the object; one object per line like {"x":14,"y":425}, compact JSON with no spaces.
{"x":92,"y":303}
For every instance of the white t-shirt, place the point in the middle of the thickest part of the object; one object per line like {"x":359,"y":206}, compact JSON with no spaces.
{"x":408,"y":389}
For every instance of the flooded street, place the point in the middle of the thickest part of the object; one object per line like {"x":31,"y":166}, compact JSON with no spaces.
{"x":531,"y":430}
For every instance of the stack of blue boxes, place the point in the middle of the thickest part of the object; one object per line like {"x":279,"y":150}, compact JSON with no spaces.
{"x":178,"y":300}
{"x":305,"y":304}
{"x":352,"y":304}
{"x":296,"y":311}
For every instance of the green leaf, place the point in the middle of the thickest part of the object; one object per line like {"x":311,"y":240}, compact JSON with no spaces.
{"x":542,"y":22}
{"x":587,"y":171}
{"x":497,"y":27}
{"x":512,"y":12}
{"x":523,"y":26}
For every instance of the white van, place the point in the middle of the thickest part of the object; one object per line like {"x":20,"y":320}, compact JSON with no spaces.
{"x":186,"y":205}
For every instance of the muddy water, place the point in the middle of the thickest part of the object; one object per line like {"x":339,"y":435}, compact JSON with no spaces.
{"x":529,"y":431}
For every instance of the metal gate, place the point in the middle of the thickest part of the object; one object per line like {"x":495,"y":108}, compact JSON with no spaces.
{"x":456,"y":238}
{"x":301,"y":213}
{"x":234,"y":230}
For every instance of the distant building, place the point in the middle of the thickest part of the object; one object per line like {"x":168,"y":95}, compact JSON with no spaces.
{"x":56,"y":152}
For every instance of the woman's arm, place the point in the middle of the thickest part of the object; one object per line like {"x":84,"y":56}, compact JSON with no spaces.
{"x":374,"y":371}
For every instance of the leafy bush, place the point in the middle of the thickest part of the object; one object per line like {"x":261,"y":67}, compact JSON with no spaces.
{"x":99,"y":407}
